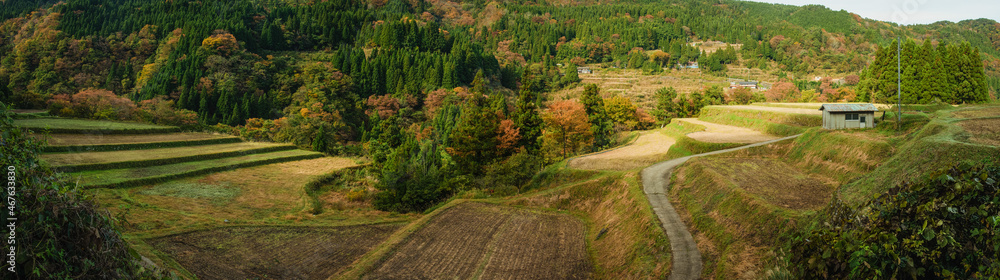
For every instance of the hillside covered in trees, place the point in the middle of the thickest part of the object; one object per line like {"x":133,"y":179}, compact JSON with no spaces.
{"x":447,"y":95}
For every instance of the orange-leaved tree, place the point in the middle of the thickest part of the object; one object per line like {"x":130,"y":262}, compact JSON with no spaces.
{"x":568,"y":126}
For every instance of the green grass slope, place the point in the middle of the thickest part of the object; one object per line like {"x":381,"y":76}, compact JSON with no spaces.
{"x":774,"y":123}
{"x":130,"y":177}
{"x":53,"y":125}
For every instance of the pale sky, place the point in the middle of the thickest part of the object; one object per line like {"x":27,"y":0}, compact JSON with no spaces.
{"x":908,"y":12}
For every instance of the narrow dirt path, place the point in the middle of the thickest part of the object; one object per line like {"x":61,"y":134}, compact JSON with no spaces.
{"x":656,"y":181}
{"x":720,"y":133}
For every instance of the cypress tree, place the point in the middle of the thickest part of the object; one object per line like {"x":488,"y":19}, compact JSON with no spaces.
{"x":526,"y":115}
{"x":600,"y":124}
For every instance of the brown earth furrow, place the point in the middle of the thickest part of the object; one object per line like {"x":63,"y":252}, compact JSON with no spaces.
{"x":485,"y":241}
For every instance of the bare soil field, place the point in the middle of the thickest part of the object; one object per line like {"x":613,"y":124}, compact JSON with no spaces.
{"x":719,"y":133}
{"x":272,"y":252}
{"x":101,"y":139}
{"x":484,"y":241}
{"x":649,"y":148}
{"x":773,"y":181}
{"x":978,"y":113}
{"x":984,"y":131}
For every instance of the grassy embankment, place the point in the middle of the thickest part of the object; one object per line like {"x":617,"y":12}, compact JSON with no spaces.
{"x":744,"y":205}
{"x":774,"y":123}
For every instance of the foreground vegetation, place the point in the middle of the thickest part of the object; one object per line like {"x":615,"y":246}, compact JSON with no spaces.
{"x":67,"y":235}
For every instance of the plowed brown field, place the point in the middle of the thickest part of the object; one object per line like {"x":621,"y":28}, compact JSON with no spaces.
{"x":484,"y":241}
{"x":272,"y":252}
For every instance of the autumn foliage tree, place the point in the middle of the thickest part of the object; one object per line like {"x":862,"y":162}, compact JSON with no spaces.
{"x":782,"y":91}
{"x":221,"y":42}
{"x":567,"y":127}
{"x":93,"y":104}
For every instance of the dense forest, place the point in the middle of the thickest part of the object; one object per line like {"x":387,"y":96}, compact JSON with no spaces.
{"x":445,"y":95}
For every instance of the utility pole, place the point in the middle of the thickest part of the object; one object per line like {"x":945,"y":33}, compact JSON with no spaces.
{"x":899,"y":85}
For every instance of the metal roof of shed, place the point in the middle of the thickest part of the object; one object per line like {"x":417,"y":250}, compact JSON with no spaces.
{"x":863,"y":107}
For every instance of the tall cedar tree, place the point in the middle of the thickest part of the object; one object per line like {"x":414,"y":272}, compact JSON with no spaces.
{"x":600,"y":124}
{"x":526,"y":114}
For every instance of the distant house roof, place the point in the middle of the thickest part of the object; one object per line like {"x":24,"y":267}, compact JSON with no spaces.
{"x":862,"y":107}
{"x":748,"y":83}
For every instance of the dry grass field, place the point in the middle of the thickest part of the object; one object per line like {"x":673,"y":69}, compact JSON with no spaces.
{"x":984,"y":112}
{"x":486,"y":241}
{"x":102,"y":139}
{"x":272,"y":252}
{"x":719,"y":133}
{"x":266,"y":194}
{"x":152,"y":154}
{"x":984,"y":131}
{"x":773,"y":181}
{"x":649,"y":148}
{"x":640,"y":89}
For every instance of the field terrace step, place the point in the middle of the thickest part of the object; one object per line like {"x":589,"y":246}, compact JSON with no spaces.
{"x":117,"y":142}
{"x":75,"y":162}
{"x":81,"y":126}
{"x":132,"y":177}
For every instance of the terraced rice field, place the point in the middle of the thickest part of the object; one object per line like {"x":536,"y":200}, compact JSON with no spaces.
{"x":92,"y":126}
{"x":193,"y":188}
{"x":649,"y":148}
{"x":773,"y":181}
{"x":78,"y":143}
{"x":137,"y":157}
{"x":485,"y":241}
{"x":984,"y":112}
{"x":126,"y":177}
{"x":984,"y":131}
{"x":719,"y":133}
{"x":272,"y":252}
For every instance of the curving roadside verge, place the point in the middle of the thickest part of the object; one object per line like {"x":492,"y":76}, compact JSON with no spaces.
{"x":655,"y":182}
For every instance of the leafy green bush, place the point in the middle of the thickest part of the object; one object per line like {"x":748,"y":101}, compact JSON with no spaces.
{"x":944,"y":226}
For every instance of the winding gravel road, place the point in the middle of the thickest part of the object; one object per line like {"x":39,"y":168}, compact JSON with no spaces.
{"x":655,"y":181}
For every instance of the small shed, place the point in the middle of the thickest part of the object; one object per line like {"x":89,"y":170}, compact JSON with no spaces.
{"x":743,"y":84}
{"x":584,"y":70}
{"x":841,"y":116}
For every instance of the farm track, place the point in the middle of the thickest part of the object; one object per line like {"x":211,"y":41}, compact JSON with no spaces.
{"x":478,"y":240}
{"x":656,"y":180}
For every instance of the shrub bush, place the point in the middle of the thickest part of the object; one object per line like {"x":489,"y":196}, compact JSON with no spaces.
{"x":93,"y":104}
{"x":944,"y":226}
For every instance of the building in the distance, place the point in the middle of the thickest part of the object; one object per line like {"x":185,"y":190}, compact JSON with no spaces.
{"x":743,"y":84}
{"x":584,"y":70}
{"x":841,"y":116}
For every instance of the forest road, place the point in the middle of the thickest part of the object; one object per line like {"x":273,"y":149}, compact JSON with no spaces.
{"x":655,"y":182}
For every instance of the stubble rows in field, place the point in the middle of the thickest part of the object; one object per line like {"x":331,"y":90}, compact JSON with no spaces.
{"x":484,"y":241}
{"x":272,"y":252}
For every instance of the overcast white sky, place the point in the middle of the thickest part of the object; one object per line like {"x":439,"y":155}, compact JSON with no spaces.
{"x":909,"y":11}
